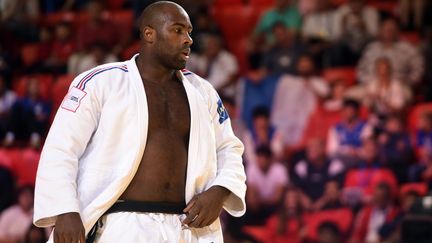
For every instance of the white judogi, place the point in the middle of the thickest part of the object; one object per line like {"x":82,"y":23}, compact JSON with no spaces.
{"x":98,"y":137}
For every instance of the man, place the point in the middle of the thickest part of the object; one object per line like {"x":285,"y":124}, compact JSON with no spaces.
{"x":133,"y":142}
{"x":346,"y":137}
{"x":406,"y":60}
{"x":313,"y":173}
{"x":216,"y":65}
{"x":306,"y":88}
{"x":371,"y":218}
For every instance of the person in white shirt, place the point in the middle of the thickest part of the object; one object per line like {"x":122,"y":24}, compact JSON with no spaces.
{"x":296,"y":98}
{"x":17,"y":219}
{"x":384,"y":95}
{"x":216,"y":65}
{"x":267,"y":181}
{"x":406,"y":60}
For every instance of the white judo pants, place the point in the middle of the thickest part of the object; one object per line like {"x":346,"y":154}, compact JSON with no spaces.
{"x":134,"y":227}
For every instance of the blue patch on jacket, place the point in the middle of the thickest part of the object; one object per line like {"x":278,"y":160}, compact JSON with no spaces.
{"x":223,"y":114}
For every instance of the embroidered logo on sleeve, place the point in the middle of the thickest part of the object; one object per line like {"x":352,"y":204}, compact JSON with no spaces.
{"x":223,"y":114}
{"x":72,"y":100}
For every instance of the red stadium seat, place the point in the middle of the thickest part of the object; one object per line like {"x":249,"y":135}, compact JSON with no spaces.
{"x":259,"y":233}
{"x":30,"y":54}
{"x":7,"y":157}
{"x":420,"y":188}
{"x":238,"y":49}
{"x":347,"y":74}
{"x":236,"y":22}
{"x":25,"y":166}
{"x":124,"y":20}
{"x":60,"y":88}
{"x":131,"y":50}
{"x":226,"y":3}
{"x":343,"y":218}
{"x":411,"y":37}
{"x":45,"y":84}
{"x":115,"y":4}
{"x":354,"y":179}
{"x":263,"y":4}
{"x":53,"y":19}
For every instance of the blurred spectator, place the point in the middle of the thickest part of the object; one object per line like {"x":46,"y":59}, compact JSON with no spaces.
{"x":52,"y":6}
{"x":15,"y":220}
{"x":262,"y":134}
{"x":266,"y":184}
{"x":332,"y":197}
{"x":395,"y":147}
{"x":318,"y":32}
{"x":284,"y":53}
{"x":63,"y":46}
{"x":422,"y":171}
{"x":98,"y":29}
{"x":7,"y":99}
{"x":356,"y":24}
{"x":97,"y":55}
{"x":216,"y":65}
{"x":391,"y":232}
{"x":346,"y":137}
{"x":337,"y":95}
{"x":256,"y":89}
{"x":383,"y":94}
{"x":288,"y":226}
{"x":203,"y":25}
{"x":30,"y":115}
{"x":362,"y":179}
{"x":426,"y":49}
{"x":20,"y":17}
{"x":6,"y":64}
{"x":329,"y":232}
{"x":411,"y":13}
{"x":305,"y":88}
{"x":372,"y":217}
{"x":312,"y":174}
{"x":237,"y":124}
{"x":319,"y":26}
{"x":407,"y":63}
{"x":7,"y":185}
{"x":285,"y":12}
{"x":307,"y":6}
{"x":424,"y":136}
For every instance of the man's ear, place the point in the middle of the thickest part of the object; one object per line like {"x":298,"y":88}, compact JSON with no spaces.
{"x":148,"y":34}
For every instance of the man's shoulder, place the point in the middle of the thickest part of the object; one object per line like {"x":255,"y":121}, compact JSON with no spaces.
{"x":100,"y":72}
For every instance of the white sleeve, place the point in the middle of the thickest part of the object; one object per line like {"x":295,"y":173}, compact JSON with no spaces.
{"x":73,"y":126}
{"x":229,"y":149}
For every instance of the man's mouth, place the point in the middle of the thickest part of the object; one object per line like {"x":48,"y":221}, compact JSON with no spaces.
{"x":186,"y":53}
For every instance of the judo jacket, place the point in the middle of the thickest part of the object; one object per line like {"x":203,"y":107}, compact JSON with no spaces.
{"x":98,"y":138}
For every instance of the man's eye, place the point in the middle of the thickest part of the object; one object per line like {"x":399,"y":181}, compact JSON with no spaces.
{"x":178,"y":30}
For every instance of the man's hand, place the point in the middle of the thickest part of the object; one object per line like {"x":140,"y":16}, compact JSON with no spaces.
{"x":205,"y":207}
{"x":69,"y":229}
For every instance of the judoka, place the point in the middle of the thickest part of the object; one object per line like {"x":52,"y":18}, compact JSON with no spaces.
{"x":141,"y":150}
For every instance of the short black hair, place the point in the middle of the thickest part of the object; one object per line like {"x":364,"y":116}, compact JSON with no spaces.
{"x":263,"y":150}
{"x":329,"y":226}
{"x":351,"y":103}
{"x":261,"y":111}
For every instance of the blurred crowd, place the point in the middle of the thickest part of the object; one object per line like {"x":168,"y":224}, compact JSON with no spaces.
{"x":332,"y":99}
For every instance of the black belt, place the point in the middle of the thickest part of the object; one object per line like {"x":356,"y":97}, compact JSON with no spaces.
{"x":140,"y":207}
